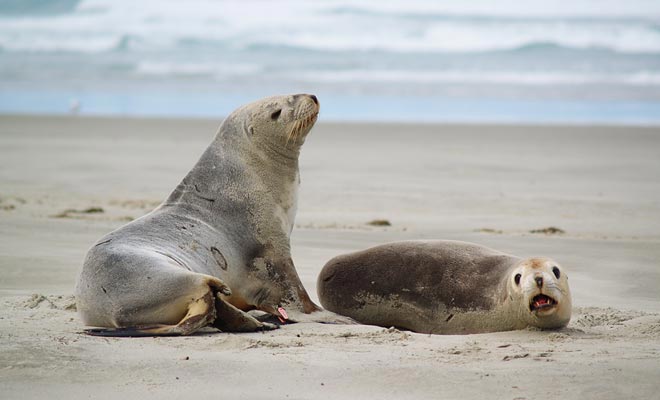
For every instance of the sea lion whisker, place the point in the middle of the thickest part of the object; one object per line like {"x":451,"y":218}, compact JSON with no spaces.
{"x":288,"y":138}
{"x":298,"y":129}
{"x":293,"y":131}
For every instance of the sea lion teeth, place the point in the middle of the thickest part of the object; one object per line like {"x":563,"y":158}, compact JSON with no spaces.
{"x":542,"y":301}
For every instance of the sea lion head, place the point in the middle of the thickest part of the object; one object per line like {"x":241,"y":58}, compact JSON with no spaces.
{"x":539,"y":287}
{"x":275,"y":124}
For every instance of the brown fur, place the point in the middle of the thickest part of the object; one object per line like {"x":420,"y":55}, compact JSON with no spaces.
{"x":433,"y":287}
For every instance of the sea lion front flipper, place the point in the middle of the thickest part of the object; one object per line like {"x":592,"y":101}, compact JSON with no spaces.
{"x":231,"y":319}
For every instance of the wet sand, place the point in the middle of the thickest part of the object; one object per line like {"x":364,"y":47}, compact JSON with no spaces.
{"x":64,"y":182}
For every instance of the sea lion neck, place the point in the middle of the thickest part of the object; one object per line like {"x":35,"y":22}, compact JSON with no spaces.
{"x":262,"y":151}
{"x":278,"y":153}
{"x":232,"y":179}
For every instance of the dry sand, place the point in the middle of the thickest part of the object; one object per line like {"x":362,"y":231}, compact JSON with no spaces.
{"x":486,"y":184}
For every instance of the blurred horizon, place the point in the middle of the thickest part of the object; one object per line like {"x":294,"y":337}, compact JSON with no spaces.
{"x":584,"y":61}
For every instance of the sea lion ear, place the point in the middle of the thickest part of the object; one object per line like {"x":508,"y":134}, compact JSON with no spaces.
{"x":250,"y":130}
{"x":276,"y":114}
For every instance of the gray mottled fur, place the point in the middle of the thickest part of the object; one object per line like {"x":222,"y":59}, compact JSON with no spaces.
{"x":229,"y":219}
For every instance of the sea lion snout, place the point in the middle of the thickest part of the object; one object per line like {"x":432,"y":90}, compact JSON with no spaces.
{"x":303,"y":97}
{"x":539,"y":281}
{"x":305,"y":106}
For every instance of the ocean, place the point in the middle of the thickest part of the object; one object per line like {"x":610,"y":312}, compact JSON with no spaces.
{"x":579,"y":61}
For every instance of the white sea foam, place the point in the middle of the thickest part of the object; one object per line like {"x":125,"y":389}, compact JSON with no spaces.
{"x":507,"y":8}
{"x":460,"y":36}
{"x":410,"y":26}
{"x":224,"y":71}
{"x":483,"y":77}
{"x":479,"y":48}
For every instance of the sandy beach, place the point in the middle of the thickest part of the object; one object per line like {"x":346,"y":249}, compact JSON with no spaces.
{"x":66,"y":181}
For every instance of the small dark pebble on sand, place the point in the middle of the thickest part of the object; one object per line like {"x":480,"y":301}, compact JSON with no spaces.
{"x":67,"y":213}
{"x":379,"y":222}
{"x":551,"y":230}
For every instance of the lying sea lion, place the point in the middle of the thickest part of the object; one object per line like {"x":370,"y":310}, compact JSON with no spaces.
{"x":446,"y":287}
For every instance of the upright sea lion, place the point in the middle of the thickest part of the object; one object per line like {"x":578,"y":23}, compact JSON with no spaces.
{"x":219,"y":245}
{"x":446,"y":287}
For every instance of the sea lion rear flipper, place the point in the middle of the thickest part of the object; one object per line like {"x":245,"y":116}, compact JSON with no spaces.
{"x":145,"y":331}
{"x":201,"y":313}
{"x":231,"y":319}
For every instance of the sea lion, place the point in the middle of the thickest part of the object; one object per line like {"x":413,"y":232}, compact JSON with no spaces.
{"x":446,"y":287}
{"x":219,"y":244}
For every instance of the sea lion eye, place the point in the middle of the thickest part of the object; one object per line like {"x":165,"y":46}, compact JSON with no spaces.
{"x":517,"y":279}
{"x":555,"y":271}
{"x":276,"y":114}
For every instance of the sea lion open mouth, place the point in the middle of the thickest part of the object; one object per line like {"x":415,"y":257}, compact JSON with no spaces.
{"x":542,"y":302}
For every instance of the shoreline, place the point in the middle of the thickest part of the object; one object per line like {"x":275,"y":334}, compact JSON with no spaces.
{"x":353,"y":107}
{"x":65,"y":116}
